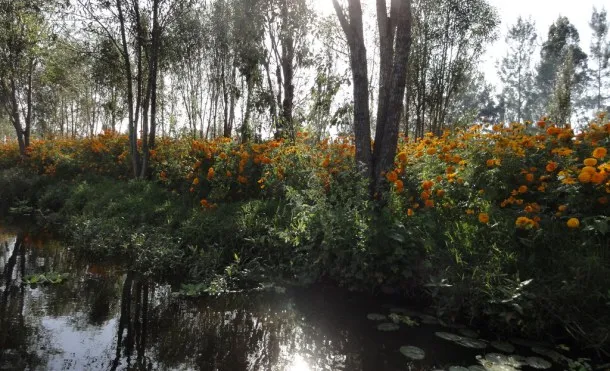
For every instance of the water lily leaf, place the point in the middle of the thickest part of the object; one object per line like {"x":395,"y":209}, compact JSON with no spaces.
{"x":496,"y":358}
{"x":448,"y":336}
{"x":503,"y":346}
{"x":413,"y":352}
{"x":538,"y":363}
{"x":476,"y":368}
{"x":397,"y":318}
{"x":376,"y":317}
{"x":469,"y":333}
{"x":552,"y":354}
{"x":472,"y":343}
{"x":458,"y":368}
{"x":388,"y":326}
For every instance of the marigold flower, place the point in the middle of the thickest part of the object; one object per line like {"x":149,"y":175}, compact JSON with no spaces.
{"x":399,"y":186}
{"x":429,"y":203}
{"x":590,"y":162}
{"x":562,"y":208}
{"x":410,"y":212}
{"x":469,"y":212}
{"x":491,"y":162}
{"x":427,"y":184}
{"x":195,"y":181}
{"x":484,"y":218}
{"x":551,"y":166}
{"x":523,"y":222}
{"x":600,"y":152}
{"x":431,"y":151}
{"x":402,"y":157}
{"x":440,"y":193}
{"x":573,"y":223}
{"x":211,"y":173}
{"x":529,"y":177}
{"x":584,"y":177}
{"x":589,"y":169}
{"x":523,"y":189}
{"x":392,"y":176}
{"x":599,"y":178}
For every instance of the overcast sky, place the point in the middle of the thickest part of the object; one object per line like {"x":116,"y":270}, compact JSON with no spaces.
{"x":544,"y":12}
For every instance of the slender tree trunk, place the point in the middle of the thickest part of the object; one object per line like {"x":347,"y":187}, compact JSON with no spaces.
{"x":288,"y":70}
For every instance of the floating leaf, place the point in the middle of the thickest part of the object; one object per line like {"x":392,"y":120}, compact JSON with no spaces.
{"x":413,"y":352}
{"x":448,"y":336}
{"x":503,"y":346}
{"x":496,"y":358}
{"x":376,"y":317}
{"x":538,"y":363}
{"x":458,"y":368}
{"x":469,"y":333}
{"x":472,"y":343}
{"x":388,"y":326}
{"x":397,"y":318}
{"x":552,"y":354}
{"x":476,"y":368}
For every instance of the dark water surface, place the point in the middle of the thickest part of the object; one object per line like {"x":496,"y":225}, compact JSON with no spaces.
{"x":104,"y":317}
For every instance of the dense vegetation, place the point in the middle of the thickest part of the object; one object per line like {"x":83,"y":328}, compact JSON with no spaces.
{"x":508,"y":224}
{"x":225,"y":143}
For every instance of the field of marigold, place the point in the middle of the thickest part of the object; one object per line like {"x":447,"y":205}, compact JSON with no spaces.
{"x":507,"y":222}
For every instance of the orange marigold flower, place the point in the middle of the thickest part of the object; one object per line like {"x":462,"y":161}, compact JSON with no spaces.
{"x":573,"y":223}
{"x":523,"y":222}
{"x":431,"y":151}
{"x":195,"y":181}
{"x":551,"y":166}
{"x":484,"y":218}
{"x":584,"y":177}
{"x":600,"y":152}
{"x":410,"y":212}
{"x":590,"y":162}
{"x":392,"y":176}
{"x":402,"y":157}
{"x":429,"y":203}
{"x":399,"y":186}
{"x":469,"y":211}
{"x":523,"y":189}
{"x":440,"y":193}
{"x":242,"y":179}
{"x":599,"y":178}
{"x":589,"y":169}
{"x":427,"y":184}
{"x":529,"y":177}
{"x":562,"y":208}
{"x":211,"y":173}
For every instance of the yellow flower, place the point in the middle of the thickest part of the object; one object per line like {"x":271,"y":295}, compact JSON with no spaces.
{"x":573,"y":223}
{"x":523,"y":222}
{"x":402,"y":157}
{"x":562,"y":208}
{"x":590,"y":162}
{"x":589,"y":169}
{"x":483,"y":218}
{"x":600,"y":152}
{"x":410,"y":212}
{"x":195,"y":181}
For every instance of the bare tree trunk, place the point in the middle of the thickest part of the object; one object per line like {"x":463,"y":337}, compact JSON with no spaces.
{"x":353,"y":30}
{"x":288,"y":70}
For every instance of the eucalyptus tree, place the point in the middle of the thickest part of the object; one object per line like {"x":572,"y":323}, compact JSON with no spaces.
{"x":395,"y":44}
{"x":516,"y":70}
{"x":561,"y":73}
{"x":449,"y":38}
{"x":23,"y":37}
{"x":600,"y":55}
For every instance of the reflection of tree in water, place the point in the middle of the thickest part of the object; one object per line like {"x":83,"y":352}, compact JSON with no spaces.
{"x":15,"y":332}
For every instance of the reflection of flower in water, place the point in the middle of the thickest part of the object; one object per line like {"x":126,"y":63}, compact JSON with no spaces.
{"x":299,"y":364}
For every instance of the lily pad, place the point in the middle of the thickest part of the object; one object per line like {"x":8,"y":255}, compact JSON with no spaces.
{"x":376,"y":317}
{"x":458,"y":368}
{"x":503,"y":346}
{"x":448,"y":336}
{"x":388,"y":326}
{"x":469,"y":333}
{"x":476,"y":368}
{"x":399,"y":318}
{"x":539,"y":363}
{"x":413,"y":352}
{"x":472,"y":343}
{"x":549,"y":353}
{"x":496,"y":358}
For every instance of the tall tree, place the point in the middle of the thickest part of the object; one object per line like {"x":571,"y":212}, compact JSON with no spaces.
{"x":395,"y":44}
{"x":561,"y":72}
{"x":600,"y":54}
{"x":516,"y":72}
{"x":22,"y":38}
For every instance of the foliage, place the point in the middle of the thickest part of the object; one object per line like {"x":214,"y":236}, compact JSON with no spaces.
{"x":45,"y":278}
{"x":507,"y":223}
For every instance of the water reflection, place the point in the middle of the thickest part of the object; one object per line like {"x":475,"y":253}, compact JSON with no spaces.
{"x":106,"y":317}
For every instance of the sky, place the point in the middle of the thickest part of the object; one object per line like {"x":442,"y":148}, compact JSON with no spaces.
{"x":543,"y":12}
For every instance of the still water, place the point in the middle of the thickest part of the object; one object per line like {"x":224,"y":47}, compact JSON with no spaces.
{"x":103,"y":317}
